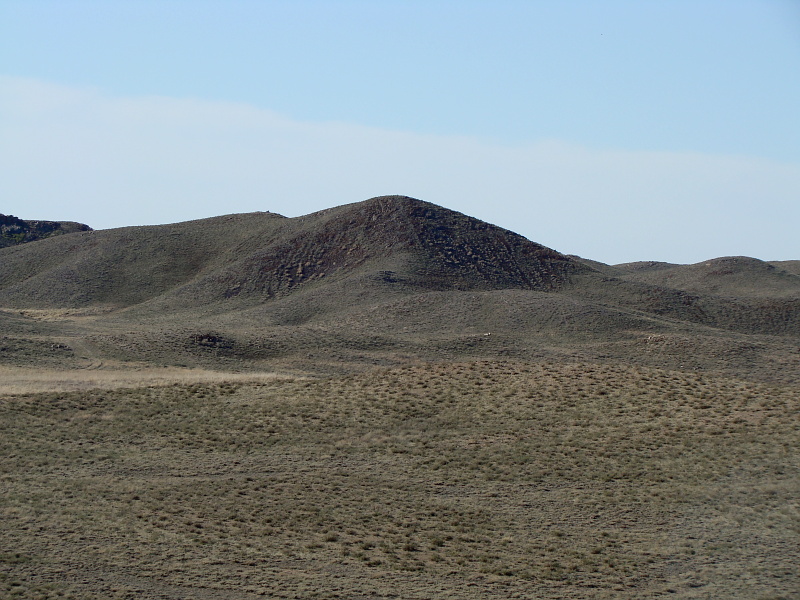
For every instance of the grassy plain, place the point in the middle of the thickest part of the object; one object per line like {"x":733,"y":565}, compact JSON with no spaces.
{"x":444,"y":480}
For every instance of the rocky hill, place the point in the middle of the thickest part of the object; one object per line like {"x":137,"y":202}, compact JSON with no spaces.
{"x":15,"y":231}
{"x":260,"y":256}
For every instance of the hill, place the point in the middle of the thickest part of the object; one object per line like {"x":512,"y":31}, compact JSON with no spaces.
{"x":732,"y":276}
{"x":383,"y":281}
{"x":263,"y":256}
{"x":15,"y":231}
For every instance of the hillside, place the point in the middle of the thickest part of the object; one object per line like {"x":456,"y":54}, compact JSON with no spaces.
{"x":262,"y":256}
{"x":732,"y":276}
{"x":478,"y":480}
{"x":384,"y":281}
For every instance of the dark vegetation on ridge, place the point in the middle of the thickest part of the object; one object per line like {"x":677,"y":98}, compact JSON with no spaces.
{"x":15,"y":231}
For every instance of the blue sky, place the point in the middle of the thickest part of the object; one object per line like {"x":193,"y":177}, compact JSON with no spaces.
{"x":615,"y":130}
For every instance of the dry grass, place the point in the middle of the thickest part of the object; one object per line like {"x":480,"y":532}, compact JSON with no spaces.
{"x":15,"y":381}
{"x":477,"y":480}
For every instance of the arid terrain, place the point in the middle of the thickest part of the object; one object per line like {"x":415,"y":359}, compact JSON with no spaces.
{"x":389,"y":399}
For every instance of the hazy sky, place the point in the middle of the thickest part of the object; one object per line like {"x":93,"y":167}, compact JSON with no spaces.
{"x":616,"y":130}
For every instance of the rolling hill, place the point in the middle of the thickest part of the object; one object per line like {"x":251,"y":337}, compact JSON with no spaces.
{"x":387,"y":280}
{"x":262,"y":256}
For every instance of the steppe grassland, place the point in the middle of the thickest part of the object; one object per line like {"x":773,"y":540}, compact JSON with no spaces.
{"x":469,"y":480}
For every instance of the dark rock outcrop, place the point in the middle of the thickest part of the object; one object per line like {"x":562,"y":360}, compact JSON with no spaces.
{"x":15,"y":231}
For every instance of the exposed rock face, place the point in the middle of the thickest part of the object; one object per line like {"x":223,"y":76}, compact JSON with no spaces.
{"x":15,"y":231}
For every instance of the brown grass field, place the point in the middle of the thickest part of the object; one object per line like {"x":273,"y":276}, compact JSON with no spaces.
{"x":389,"y":399}
{"x":444,"y":480}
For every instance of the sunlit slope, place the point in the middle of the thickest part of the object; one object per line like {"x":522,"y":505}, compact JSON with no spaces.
{"x":123,"y":267}
{"x":733,"y":276}
{"x":452,"y":480}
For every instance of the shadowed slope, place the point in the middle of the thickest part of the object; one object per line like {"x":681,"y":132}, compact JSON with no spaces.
{"x":790,"y":266}
{"x":734,"y":293}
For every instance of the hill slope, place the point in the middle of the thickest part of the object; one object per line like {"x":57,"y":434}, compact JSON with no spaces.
{"x":733,"y":276}
{"x":262,"y":255}
{"x":384,"y":281}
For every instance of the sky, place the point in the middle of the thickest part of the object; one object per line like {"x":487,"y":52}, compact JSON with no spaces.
{"x":616,"y":130}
